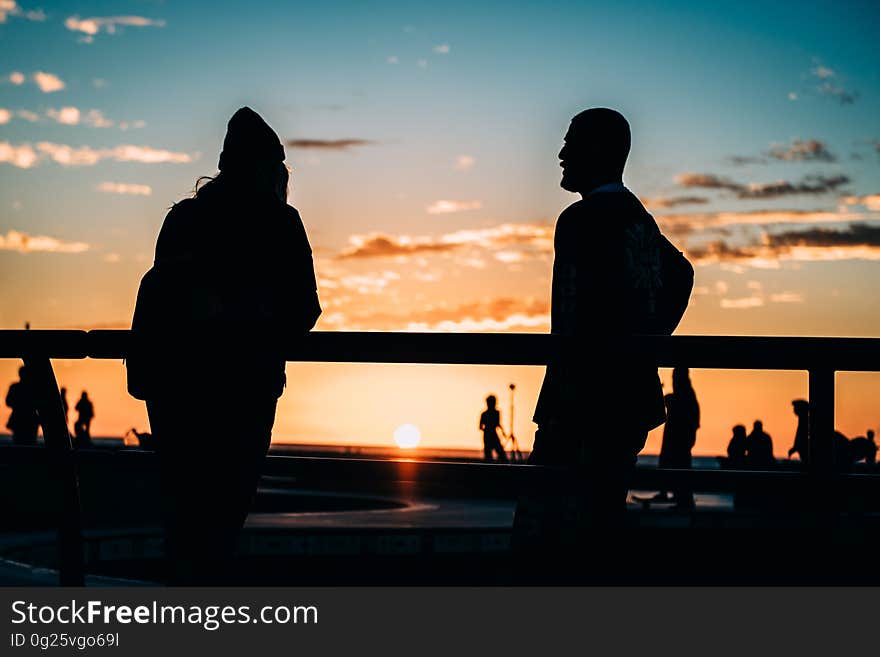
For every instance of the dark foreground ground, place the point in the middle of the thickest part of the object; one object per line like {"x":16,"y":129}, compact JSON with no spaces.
{"x":325,"y":531}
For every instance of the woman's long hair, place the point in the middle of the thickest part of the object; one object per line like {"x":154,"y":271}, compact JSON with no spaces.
{"x":273,"y":179}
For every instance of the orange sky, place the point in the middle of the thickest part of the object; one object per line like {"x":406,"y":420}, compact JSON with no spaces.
{"x":363,"y":404}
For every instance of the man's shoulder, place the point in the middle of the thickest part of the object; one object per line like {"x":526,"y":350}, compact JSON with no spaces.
{"x":621,"y":201}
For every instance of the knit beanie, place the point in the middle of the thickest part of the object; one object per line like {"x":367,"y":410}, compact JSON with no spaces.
{"x":249,"y":141}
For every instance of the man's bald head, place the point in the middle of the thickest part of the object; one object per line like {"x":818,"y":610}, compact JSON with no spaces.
{"x":595,"y":151}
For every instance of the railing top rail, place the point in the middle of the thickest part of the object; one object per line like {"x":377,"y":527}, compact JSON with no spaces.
{"x":722,"y":352}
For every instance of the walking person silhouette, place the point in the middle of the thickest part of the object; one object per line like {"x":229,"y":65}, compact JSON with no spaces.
{"x":801,"y":408}
{"x":65,"y":406}
{"x":490,"y":424}
{"x":680,"y":432}
{"x":23,"y":421}
{"x":233,"y":283}
{"x":614,"y":276}
{"x":82,"y":428}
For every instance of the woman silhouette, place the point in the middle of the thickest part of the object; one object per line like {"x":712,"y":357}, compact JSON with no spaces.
{"x":232,"y":285}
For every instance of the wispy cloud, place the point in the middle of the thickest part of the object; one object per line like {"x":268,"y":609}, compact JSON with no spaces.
{"x":858,"y":235}
{"x":25,"y":156}
{"x":822,"y":72}
{"x":447,"y":206}
{"x":803,"y":150}
{"x":816,"y":184}
{"x":816,"y":244}
{"x":22,"y":156}
{"x":494,"y":314}
{"x":827,"y":87}
{"x":464,"y":162}
{"x":388,"y":246}
{"x":94,"y":118}
{"x":870,"y":201}
{"x":70,"y":115}
{"x":442,"y":49}
{"x":328,"y":144}
{"x":660,"y":202}
{"x":108,"y":24}
{"x":124,"y":188}
{"x":740,"y":303}
{"x":12,"y":8}
{"x":23,"y":243}
{"x":756,"y":299}
{"x":686,"y":223}
{"x":510,"y":257}
{"x":537,"y":238}
{"x":787,"y":297}
{"x":745,"y":160}
{"x":48,"y":82}
{"x":17,"y":78}
{"x":5,"y":116}
{"x":65,"y":115}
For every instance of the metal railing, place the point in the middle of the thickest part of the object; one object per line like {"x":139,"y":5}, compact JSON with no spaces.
{"x":821,"y":358}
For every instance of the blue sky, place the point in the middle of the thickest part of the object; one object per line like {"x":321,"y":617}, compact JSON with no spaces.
{"x":425,"y":84}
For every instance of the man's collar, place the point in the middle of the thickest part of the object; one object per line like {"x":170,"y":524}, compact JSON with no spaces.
{"x":607,"y":187}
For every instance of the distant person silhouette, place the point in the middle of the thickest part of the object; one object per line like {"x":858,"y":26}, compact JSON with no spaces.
{"x":614,"y":276}
{"x":23,"y":421}
{"x":680,"y":431}
{"x":863,"y":448}
{"x":801,"y":445}
{"x":82,"y":428}
{"x":231,"y":289}
{"x":490,"y":424}
{"x":65,"y":406}
{"x":759,"y":447}
{"x":737,"y":447}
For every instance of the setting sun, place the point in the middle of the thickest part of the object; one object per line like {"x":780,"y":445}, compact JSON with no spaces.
{"x":407,"y":436}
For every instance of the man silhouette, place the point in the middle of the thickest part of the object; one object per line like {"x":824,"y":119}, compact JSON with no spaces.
{"x":490,"y":423}
{"x":801,"y":408}
{"x":759,"y":447}
{"x":23,"y":420}
{"x":863,"y":448}
{"x":598,"y":400}
{"x":82,"y":428}
{"x":680,"y":431}
{"x":736,"y":448}
{"x":65,"y":406}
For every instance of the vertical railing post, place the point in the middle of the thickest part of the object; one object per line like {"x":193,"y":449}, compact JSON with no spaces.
{"x":63,"y":469}
{"x":821,"y":445}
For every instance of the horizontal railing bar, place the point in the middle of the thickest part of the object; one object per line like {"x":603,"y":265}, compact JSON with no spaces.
{"x":55,"y":344}
{"x":721,"y":352}
{"x":486,"y":476}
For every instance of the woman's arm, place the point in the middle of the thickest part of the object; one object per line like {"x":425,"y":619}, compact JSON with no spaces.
{"x":302,"y":287}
